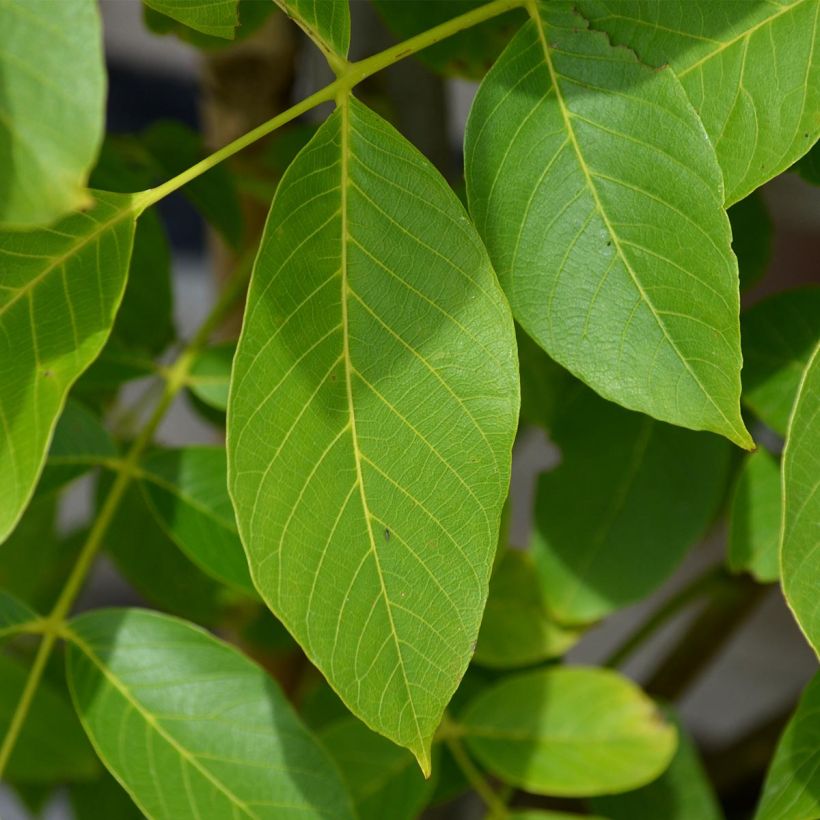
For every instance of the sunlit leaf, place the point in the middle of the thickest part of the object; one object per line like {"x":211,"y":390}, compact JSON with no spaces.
{"x":52,"y":92}
{"x":791,"y":787}
{"x":327,"y":23}
{"x":252,"y":14}
{"x":627,"y":500}
{"x":759,"y":119}
{"x":215,"y":17}
{"x":60,"y":291}
{"x":754,"y":519}
{"x":614,"y":252}
{"x":779,"y":335}
{"x":210,"y":375}
{"x":373,"y":407}
{"x":800,"y":538}
{"x":158,"y":695}
{"x":569,"y":731}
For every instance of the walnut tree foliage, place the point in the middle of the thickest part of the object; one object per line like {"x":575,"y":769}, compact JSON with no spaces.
{"x":335,"y":623}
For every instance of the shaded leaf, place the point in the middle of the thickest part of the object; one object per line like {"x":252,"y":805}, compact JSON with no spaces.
{"x":629,"y":498}
{"x":569,"y":731}
{"x":751,"y":238}
{"x":543,"y":383}
{"x":326,"y":23}
{"x":754,"y":519}
{"x":809,"y":166}
{"x":61,"y":289}
{"x":682,"y":792}
{"x":52,"y":97}
{"x":156,"y":694}
{"x":252,"y":14}
{"x":516,"y":630}
{"x":800,"y":536}
{"x":15,"y":616}
{"x":383,"y":779}
{"x":779,"y":335}
{"x":792,"y":787}
{"x":615,"y":254}
{"x":187,"y":491}
{"x":102,"y":798}
{"x":760,"y":120}
{"x":217,"y":18}
{"x":373,"y":407}
{"x":51,"y":745}
{"x":210,"y":375}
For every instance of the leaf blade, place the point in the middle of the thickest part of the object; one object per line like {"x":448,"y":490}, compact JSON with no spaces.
{"x":218,"y":18}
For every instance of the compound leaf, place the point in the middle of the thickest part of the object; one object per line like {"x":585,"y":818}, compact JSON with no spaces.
{"x":192,"y":728}
{"x":800,"y":536}
{"x":61,"y":290}
{"x":760,"y":120}
{"x":569,"y":731}
{"x":373,"y":407}
{"x":614,"y":252}
{"x":52,"y":102}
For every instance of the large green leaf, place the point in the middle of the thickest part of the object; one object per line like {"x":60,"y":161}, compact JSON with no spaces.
{"x":15,"y":616}
{"x":516,"y":630}
{"x":52,"y":99}
{"x":326,"y":22}
{"x":187,"y":490}
{"x":51,"y":746}
{"x":215,"y":17}
{"x":800,"y":538}
{"x":60,"y":291}
{"x":373,"y":406}
{"x":792,"y":787}
{"x":682,"y":792}
{"x":759,"y":119}
{"x":570,"y":731}
{"x":617,"y":515}
{"x":779,"y":335}
{"x":383,"y":779}
{"x":613,"y":250}
{"x":754,"y":520}
{"x":192,"y":728}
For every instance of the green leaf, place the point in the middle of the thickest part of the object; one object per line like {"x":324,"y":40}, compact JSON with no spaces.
{"x":471,"y":52}
{"x":516,"y":630}
{"x":383,"y":779}
{"x":51,"y":745}
{"x":682,"y":792}
{"x":155,"y":566}
{"x":543,"y":383}
{"x":187,"y":491}
{"x":158,"y":695}
{"x":629,"y":498}
{"x":751,"y":239}
{"x":15,"y":616}
{"x":791,"y":788}
{"x":52,"y":102}
{"x":800,"y":536}
{"x":373,"y":408}
{"x":759,"y":120}
{"x":252,"y":14}
{"x":538,"y":814}
{"x":614,"y":252}
{"x":215,"y":17}
{"x":754,"y":520}
{"x":210,"y":375}
{"x":61,"y":289}
{"x":80,"y":442}
{"x":779,"y":335}
{"x":569,"y":731}
{"x":327,"y":23}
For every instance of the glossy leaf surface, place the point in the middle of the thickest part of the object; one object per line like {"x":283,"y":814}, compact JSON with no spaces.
{"x":791,"y":787}
{"x":779,"y":335}
{"x":214,"y":724}
{"x":800,"y":539}
{"x":516,"y":630}
{"x":187,"y":490}
{"x":760,"y":120}
{"x":754,"y":520}
{"x":383,"y":779}
{"x":61,"y":289}
{"x":614,"y":252}
{"x":52,"y":92}
{"x":373,"y":407}
{"x":617,"y":515}
{"x":569,"y":731}
{"x":215,"y":17}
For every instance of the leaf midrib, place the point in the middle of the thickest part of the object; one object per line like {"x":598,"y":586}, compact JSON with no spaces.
{"x":535,"y":15}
